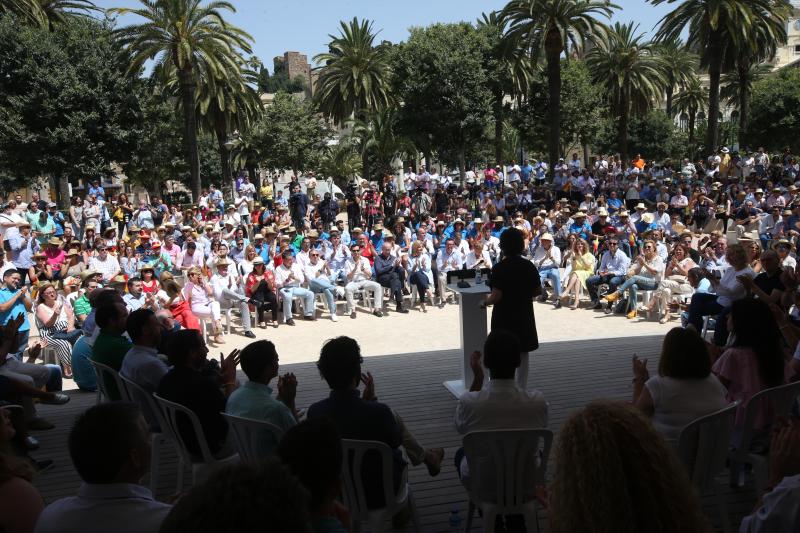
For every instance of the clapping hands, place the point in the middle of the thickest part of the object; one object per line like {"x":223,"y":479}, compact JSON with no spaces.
{"x":640,"y":372}
{"x":227,"y":366}
{"x":369,"y":387}
{"x":287,"y":387}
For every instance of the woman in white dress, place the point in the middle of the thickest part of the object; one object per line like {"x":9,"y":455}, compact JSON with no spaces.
{"x":420,"y":273}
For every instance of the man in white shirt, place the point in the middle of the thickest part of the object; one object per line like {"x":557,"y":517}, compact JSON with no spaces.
{"x":547,"y":259}
{"x":288,"y":278}
{"x":500,"y":403}
{"x":105,"y":264}
{"x":336,"y":254}
{"x":359,"y":274}
{"x":228,"y":292}
{"x":248,"y":190}
{"x":410,"y":180}
{"x":110,"y":448}
{"x":449,"y":259}
{"x":613,"y":268}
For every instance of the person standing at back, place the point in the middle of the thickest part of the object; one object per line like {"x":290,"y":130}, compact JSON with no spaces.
{"x":515,"y":283}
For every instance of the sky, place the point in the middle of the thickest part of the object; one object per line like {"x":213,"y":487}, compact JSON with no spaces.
{"x":304,"y":25}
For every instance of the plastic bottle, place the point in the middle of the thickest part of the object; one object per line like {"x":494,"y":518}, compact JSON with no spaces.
{"x":455,"y":519}
{"x":478,"y":277}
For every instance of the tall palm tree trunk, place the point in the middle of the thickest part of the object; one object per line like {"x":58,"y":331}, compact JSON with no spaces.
{"x":744,"y":99}
{"x":498,"y":129}
{"x":188,"y":88}
{"x":365,"y":165}
{"x":553,"y":50}
{"x":692,"y":119}
{"x":714,"y":73}
{"x":224,"y":155}
{"x":622,"y":127}
{"x":669,"y":92}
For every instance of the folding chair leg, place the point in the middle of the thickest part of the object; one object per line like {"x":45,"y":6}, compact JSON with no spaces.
{"x":470,"y":512}
{"x":723,"y":509}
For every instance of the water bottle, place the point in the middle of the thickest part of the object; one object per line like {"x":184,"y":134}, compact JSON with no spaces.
{"x":455,"y":519}
{"x":478,"y":277}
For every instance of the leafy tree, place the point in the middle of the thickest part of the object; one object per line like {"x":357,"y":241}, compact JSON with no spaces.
{"x":289,"y":135}
{"x":47,"y":14}
{"x":67,"y":109}
{"x":547,"y":28}
{"x":354,"y":78}
{"x":632,"y":73}
{"x":683,"y":65}
{"x":378,"y":139}
{"x":582,"y":109}
{"x":439,"y":77}
{"x":653,"y":135}
{"x":692,"y":99}
{"x":775,"y":112}
{"x":192,"y":40}
{"x":341,"y":162}
{"x":713,"y":26}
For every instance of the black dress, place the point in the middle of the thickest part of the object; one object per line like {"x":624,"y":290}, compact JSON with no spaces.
{"x":518,"y":279}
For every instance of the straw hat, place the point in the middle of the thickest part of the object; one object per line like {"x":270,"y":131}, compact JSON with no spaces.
{"x":88,"y":273}
{"x":602,"y":212}
{"x":55,"y":241}
{"x":648,"y":218}
{"x":782,"y":242}
{"x":546,"y":237}
{"x":641,"y":205}
{"x":258,"y":260}
{"x":378,"y":227}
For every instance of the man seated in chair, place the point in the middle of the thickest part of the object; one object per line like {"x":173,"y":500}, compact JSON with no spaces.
{"x":201,"y":386}
{"x":254,"y":399}
{"x":449,"y":260}
{"x":111,"y":345}
{"x":359,"y":415}
{"x":500,"y":404}
{"x":228,"y":292}
{"x":110,"y":448}
{"x":387,"y":273}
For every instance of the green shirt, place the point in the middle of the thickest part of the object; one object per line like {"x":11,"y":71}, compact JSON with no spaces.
{"x":254,"y":400}
{"x":110,"y":350}
{"x":82,"y":306}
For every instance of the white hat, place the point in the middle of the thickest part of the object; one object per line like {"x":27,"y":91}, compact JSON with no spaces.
{"x":725,"y":150}
{"x":546,"y":237}
{"x":648,"y":218}
{"x":478,"y":220}
{"x":602,"y":212}
{"x":640,"y":205}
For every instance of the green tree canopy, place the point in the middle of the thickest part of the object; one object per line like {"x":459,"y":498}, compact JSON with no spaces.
{"x":66,"y":108}
{"x":775,"y":112}
{"x":440,"y":79}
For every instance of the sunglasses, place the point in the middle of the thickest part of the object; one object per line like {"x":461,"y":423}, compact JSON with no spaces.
{"x":314,"y":255}
{"x":356,"y":250}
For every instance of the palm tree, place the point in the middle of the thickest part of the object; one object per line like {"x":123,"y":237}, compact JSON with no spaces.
{"x":47,"y":13}
{"x":340,"y":161}
{"x":549,"y":27}
{"x":195,"y":41}
{"x":713,"y":26}
{"x":683,"y":64}
{"x":354,"y":78}
{"x":375,"y":137}
{"x":510,"y":72}
{"x":744,"y":60}
{"x":692,"y":99}
{"x":632,"y":72}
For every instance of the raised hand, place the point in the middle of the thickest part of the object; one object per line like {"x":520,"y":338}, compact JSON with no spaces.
{"x":369,"y":387}
{"x":227,"y":366}
{"x":640,"y":371}
{"x":287,"y":387}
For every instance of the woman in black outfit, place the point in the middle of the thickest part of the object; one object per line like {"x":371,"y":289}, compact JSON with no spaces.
{"x":515,"y":283}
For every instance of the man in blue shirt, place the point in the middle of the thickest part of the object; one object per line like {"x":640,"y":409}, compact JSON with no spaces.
{"x":254,"y":399}
{"x":15,"y":300}
{"x":525,"y":172}
{"x":95,"y":189}
{"x":581,"y":226}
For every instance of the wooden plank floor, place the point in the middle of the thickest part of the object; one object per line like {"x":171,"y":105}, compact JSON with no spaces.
{"x":570,"y":374}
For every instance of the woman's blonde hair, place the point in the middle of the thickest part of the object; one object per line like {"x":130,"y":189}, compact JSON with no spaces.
{"x":194,"y":270}
{"x":580,"y":240}
{"x":416,"y":245}
{"x":249,"y":248}
{"x":614,"y":473}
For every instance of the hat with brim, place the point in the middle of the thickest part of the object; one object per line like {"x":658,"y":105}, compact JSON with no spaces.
{"x":156,"y":245}
{"x":782,"y":243}
{"x":388,"y":235}
{"x":186,"y":228}
{"x":259,"y":237}
{"x":357,"y":230}
{"x":258,"y":260}
{"x":624,"y":213}
{"x":546,"y":237}
{"x":55,"y":241}
{"x":291,"y":229}
{"x":109,"y":231}
{"x":648,"y":218}
{"x":133,"y":229}
{"x":39,"y":256}
{"x":88,"y":273}
{"x":787,"y":213}
{"x":72,"y":253}
{"x":498,"y":219}
{"x":313,"y":234}
{"x":271,"y":231}
{"x":146,"y":267}
{"x":579,"y":214}
{"x":221,"y":263}
{"x":377,"y":227}
{"x":118,"y":280}
{"x":144,"y":234}
{"x":759,"y":191}
{"x":478,"y":220}
{"x":458,"y":221}
{"x":440,"y":223}
{"x":602,"y":212}
{"x":641,"y":205}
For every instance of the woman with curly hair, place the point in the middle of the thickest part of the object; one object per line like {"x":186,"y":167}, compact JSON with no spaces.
{"x":614,"y":473}
{"x":582,"y":262}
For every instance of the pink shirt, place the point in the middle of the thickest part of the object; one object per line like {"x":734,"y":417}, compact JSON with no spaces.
{"x":55,"y":259}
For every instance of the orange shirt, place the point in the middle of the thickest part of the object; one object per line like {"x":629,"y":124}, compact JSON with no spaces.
{"x":638,"y":163}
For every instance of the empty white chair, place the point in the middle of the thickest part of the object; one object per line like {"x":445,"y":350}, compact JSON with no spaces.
{"x":105,"y":375}
{"x":778,"y":401}
{"x":157,"y":438}
{"x":703,"y":448}
{"x":355,"y":493}
{"x":251,"y":436}
{"x":516,"y":461}
{"x":171,"y":412}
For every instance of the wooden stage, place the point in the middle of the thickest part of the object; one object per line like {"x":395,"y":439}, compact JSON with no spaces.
{"x":570,"y":374}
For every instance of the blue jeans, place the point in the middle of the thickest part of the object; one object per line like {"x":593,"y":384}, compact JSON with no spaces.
{"x":324,"y":286}
{"x":703,"y":305}
{"x":593,"y":281}
{"x":54,"y":380}
{"x":554,"y":275}
{"x":633,"y":284}
{"x":290,"y":292}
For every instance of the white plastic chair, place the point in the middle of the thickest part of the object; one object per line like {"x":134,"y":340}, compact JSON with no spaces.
{"x":200,"y":469}
{"x":779,"y":403}
{"x":703,"y":448}
{"x":103,"y":372}
{"x":249,"y":435}
{"x":139,"y":395}
{"x":516,"y":460}
{"x":354,"y":492}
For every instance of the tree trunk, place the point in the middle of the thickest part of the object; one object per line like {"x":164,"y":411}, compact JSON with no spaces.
{"x":714,"y":73}
{"x":744,"y":100}
{"x":365,"y":165}
{"x":224,"y":154}
{"x":462,"y":162}
{"x":63,"y":192}
{"x":692,"y":119}
{"x":585,"y":153}
{"x":498,"y":129}
{"x":622,"y":131}
{"x":553,"y":47}
{"x":190,"y":131}
{"x":670,"y":89}
{"x":426,"y":155}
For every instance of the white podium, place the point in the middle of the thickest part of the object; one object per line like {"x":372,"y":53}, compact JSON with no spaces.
{"x":473,"y":330}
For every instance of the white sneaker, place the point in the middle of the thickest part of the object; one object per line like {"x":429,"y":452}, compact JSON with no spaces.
{"x":334,"y":318}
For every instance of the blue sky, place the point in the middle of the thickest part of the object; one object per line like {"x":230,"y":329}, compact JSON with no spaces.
{"x":304,"y":25}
